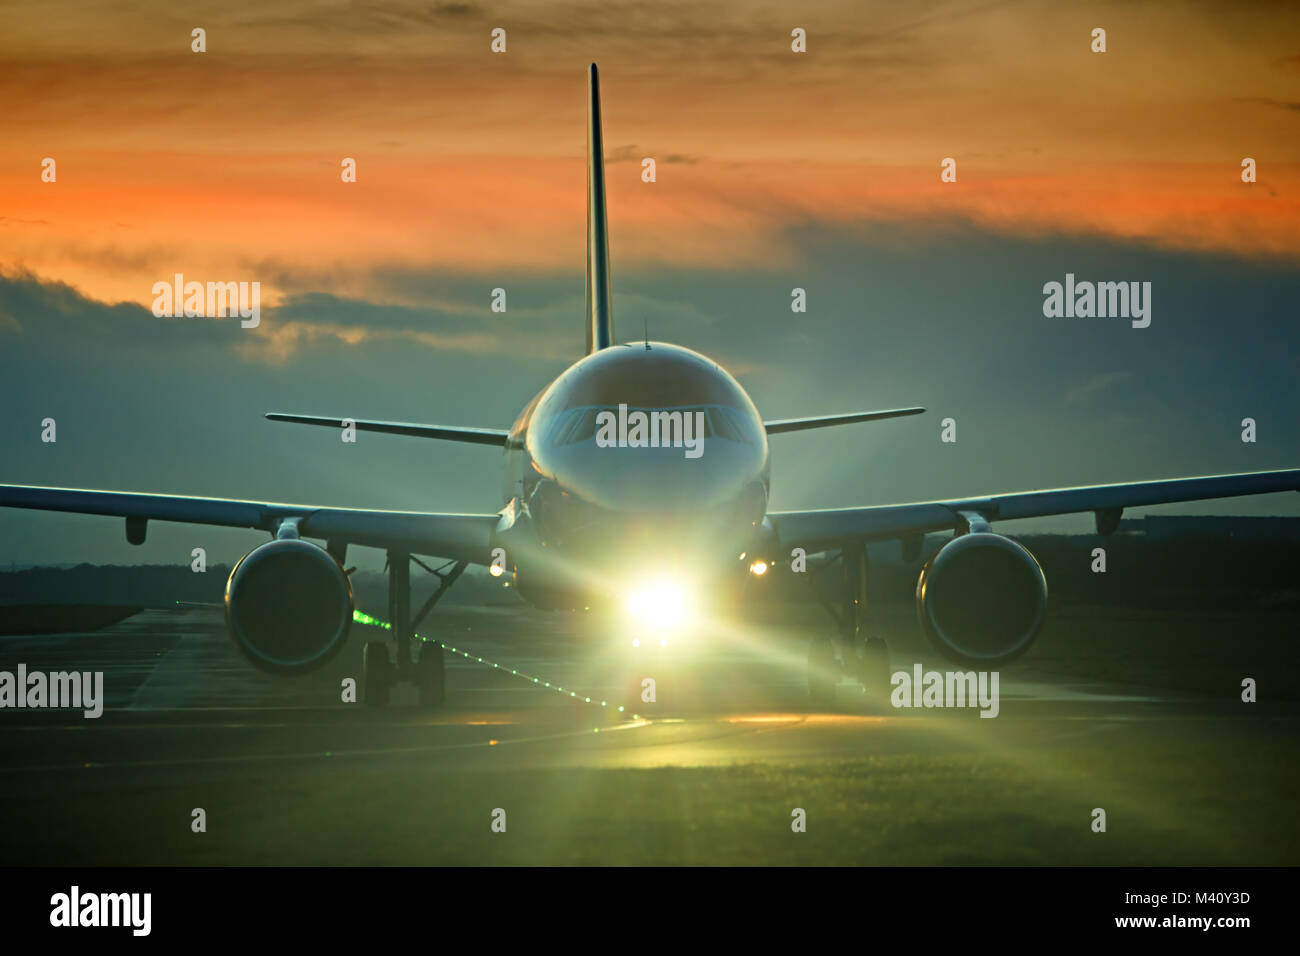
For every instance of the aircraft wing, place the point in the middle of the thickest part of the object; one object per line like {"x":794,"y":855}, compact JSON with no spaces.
{"x":824,"y":421}
{"x":475,"y":436}
{"x":464,"y":537}
{"x":822,"y":530}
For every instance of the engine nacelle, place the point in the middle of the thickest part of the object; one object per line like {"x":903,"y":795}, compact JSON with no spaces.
{"x":288,"y":606}
{"x":981,"y":599}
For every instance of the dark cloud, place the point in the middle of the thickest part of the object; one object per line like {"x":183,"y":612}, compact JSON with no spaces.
{"x":54,"y":313}
{"x":951,"y":320}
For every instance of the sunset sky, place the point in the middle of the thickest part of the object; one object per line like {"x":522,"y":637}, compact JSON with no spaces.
{"x":774,"y":170}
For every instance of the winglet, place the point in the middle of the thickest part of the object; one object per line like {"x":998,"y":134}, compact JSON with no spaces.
{"x":600,"y":308}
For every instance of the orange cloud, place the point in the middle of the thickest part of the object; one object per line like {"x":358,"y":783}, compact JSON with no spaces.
{"x":225,"y":165}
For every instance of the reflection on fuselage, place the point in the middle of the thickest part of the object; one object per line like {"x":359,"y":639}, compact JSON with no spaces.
{"x":582,"y":514}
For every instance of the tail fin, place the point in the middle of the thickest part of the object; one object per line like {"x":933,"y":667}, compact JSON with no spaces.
{"x":600,"y":308}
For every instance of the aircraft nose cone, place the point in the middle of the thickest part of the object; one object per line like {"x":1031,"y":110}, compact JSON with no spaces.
{"x":653,"y":510}
{"x":660,"y":481}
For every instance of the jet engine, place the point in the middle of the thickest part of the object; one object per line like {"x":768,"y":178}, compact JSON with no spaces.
{"x":981,"y":599}
{"x":288,"y":606}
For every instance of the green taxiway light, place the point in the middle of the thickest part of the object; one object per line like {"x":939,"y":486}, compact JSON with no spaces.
{"x":364,"y":618}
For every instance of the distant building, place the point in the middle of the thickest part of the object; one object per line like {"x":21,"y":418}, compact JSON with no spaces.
{"x":1166,"y":527}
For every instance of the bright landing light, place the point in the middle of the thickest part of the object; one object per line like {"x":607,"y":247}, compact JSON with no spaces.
{"x":663,"y":605}
{"x":758,"y":568}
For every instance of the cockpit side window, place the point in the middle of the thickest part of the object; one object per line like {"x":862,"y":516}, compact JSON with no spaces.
{"x":561,"y":424}
{"x":722,"y":427}
{"x":737,"y":421}
{"x":583,"y":427}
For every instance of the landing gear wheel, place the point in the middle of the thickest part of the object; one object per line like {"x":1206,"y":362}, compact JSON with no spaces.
{"x":377,"y":673}
{"x":431,"y":675}
{"x":873,"y":670}
{"x":822,"y":674}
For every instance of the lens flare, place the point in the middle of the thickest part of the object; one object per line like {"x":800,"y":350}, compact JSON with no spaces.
{"x":663,"y":605}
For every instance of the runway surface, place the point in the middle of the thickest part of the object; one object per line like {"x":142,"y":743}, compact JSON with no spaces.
{"x":188,"y":723}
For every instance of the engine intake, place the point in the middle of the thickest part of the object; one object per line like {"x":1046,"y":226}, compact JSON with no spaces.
{"x":288,"y":606}
{"x":981,"y":599}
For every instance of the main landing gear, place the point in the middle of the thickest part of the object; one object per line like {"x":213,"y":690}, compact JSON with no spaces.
{"x":862,"y":658}
{"x":404,"y":657}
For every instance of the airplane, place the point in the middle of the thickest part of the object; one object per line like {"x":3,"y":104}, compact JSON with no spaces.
{"x":586,"y":517}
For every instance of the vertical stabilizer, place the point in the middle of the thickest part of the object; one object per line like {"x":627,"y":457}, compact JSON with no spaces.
{"x":600,"y":308}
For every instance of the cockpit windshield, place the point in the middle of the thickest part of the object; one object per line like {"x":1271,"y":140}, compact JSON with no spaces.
{"x":579,"y":424}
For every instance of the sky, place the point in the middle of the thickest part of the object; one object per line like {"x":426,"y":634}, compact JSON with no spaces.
{"x":775,"y":170}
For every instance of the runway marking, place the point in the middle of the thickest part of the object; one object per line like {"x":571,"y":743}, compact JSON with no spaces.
{"x":1104,"y":727}
{"x":307,"y":755}
{"x":916,"y":720}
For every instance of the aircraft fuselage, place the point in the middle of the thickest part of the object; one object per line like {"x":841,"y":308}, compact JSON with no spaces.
{"x":609,"y":478}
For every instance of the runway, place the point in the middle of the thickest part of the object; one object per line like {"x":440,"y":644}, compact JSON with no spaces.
{"x":188,"y":723}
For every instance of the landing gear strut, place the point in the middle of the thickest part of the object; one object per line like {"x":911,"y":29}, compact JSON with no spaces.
{"x":865,"y":659}
{"x":424,"y":666}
